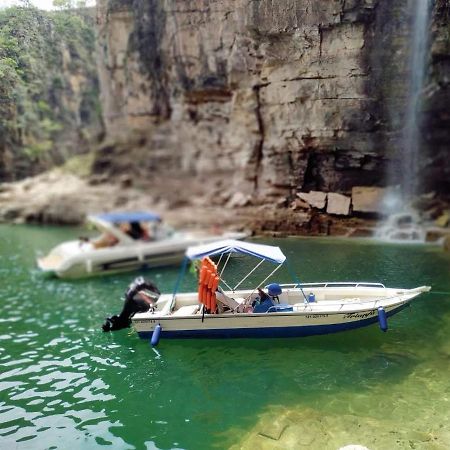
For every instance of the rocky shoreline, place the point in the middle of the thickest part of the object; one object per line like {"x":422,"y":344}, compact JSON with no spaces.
{"x":58,"y":197}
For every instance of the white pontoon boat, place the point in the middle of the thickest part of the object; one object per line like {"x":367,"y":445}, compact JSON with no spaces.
{"x":219,"y":310}
{"x":130,"y":240}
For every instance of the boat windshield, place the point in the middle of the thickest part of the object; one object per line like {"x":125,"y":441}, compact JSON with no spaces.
{"x":126,"y":227}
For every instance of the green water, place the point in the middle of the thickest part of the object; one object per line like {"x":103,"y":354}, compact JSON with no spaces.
{"x":66,"y":384}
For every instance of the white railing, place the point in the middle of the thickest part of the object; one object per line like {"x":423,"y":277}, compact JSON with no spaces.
{"x":402,"y":298}
{"x":333,"y":284}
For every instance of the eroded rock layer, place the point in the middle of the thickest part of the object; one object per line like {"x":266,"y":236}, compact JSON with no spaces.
{"x":260,"y":97}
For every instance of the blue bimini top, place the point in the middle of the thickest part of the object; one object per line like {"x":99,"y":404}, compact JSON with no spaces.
{"x":267,"y":252}
{"x":129,"y":216}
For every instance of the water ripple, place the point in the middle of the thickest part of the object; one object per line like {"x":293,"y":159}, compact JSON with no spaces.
{"x":64,"y":381}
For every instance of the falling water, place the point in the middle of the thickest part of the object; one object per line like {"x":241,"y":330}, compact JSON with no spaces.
{"x":410,"y":175}
{"x":399,"y":201}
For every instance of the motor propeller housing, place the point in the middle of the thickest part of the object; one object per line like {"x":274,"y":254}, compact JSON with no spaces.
{"x":140,"y":296}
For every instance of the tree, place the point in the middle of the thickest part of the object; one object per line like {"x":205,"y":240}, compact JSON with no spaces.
{"x":69,"y":4}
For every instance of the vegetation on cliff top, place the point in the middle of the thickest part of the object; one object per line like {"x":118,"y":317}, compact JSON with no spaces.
{"x":48,"y":88}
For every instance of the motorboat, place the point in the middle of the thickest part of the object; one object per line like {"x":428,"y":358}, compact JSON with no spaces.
{"x":218,"y":309}
{"x":128,"y":241}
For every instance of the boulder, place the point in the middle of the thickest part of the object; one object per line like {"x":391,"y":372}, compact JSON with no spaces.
{"x":281,"y":203}
{"x":368,"y":199}
{"x":338,"y":204}
{"x":443,"y":220}
{"x":298,"y":203}
{"x":316,"y":199}
{"x":447,"y":244}
{"x":239,"y":199}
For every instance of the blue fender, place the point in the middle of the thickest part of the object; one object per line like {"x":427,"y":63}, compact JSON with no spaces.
{"x":156,"y":335}
{"x":382,"y":319}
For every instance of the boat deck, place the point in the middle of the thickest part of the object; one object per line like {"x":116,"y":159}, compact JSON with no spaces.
{"x":344,"y":299}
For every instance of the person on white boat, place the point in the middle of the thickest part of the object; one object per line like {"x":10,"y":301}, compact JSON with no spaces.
{"x":108,"y":239}
{"x":263,"y":296}
{"x":263,"y":303}
{"x":137,"y":231}
{"x":105,"y":240}
{"x":133,"y":229}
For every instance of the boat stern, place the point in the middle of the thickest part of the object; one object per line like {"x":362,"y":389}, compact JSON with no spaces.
{"x":49,"y":263}
{"x":57,"y":258}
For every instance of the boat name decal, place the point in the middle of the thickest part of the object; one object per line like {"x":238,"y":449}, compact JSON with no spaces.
{"x":359,"y":315}
{"x":315,"y":316}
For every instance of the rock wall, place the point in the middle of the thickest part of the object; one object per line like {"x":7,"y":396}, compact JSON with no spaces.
{"x":436,"y":115}
{"x":259,"y":97}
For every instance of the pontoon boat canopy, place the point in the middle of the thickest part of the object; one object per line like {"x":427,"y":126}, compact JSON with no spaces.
{"x":267,"y":252}
{"x":128,"y":217}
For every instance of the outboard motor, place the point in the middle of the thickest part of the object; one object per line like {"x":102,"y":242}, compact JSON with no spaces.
{"x":140,"y":296}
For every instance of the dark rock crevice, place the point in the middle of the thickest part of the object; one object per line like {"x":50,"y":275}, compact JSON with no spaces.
{"x":259,"y":144}
{"x":147,"y":39}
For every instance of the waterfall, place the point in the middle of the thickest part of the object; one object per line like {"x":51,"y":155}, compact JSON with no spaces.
{"x":410,"y":145}
{"x":399,"y":202}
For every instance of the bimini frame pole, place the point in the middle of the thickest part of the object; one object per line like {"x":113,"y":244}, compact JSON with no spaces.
{"x":177,"y":284}
{"x":270,"y":274}
{"x":246,"y":276}
{"x":225,"y":265}
{"x":223,"y":269}
{"x":297,"y":281}
{"x":263,"y":281}
{"x":220,"y":259}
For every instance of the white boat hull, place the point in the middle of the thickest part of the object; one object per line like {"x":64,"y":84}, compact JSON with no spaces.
{"x":339,"y":312}
{"x":75,"y":260}
{"x":251,"y":326}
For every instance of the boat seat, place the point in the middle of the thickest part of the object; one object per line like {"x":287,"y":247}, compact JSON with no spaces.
{"x":235,"y":304}
{"x":188,"y":310}
{"x":302,"y":305}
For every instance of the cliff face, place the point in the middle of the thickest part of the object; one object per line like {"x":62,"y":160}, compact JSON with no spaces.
{"x":49,"y":108}
{"x":436,"y":114}
{"x":260,"y":97}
